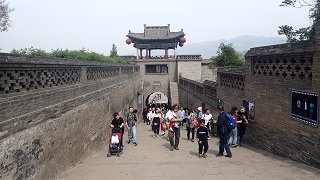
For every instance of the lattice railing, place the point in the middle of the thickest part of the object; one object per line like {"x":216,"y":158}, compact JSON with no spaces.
{"x":97,"y":73}
{"x":293,"y":67}
{"x":232,"y":81}
{"x":26,"y":79}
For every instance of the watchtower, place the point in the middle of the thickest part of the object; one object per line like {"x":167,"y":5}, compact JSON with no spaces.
{"x":156,"y":38}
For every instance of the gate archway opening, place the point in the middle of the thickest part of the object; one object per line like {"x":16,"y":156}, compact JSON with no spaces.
{"x":156,"y":98}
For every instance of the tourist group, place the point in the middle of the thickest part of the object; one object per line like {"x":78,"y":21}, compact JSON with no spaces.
{"x":199,"y":125}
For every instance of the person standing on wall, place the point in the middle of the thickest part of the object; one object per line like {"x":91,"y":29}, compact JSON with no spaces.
{"x":223,"y":132}
{"x":131,"y":123}
{"x":242,"y":123}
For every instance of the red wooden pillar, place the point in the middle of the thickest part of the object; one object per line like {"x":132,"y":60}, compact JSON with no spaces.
{"x":147,"y":56}
{"x":166,"y":53}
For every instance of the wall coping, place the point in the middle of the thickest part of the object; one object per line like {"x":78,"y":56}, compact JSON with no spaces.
{"x":232,"y":70}
{"x":6,"y":58}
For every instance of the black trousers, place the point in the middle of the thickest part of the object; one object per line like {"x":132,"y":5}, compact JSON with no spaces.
{"x":156,"y":129}
{"x":192,"y":132}
{"x":203,"y":143}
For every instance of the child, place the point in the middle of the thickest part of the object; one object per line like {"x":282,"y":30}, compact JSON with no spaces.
{"x":202,"y":138}
{"x":175,"y":123}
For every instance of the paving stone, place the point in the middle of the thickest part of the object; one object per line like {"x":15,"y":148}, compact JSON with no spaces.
{"x":152,"y":159}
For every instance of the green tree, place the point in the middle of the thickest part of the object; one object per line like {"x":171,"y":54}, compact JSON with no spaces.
{"x":113,"y":52}
{"x":4,"y":16}
{"x":304,"y":33}
{"x":227,"y":56}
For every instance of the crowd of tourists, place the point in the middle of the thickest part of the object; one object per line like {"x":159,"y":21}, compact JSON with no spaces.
{"x":167,"y":121}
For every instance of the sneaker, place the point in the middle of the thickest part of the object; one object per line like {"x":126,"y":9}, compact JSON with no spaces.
{"x":188,"y":139}
{"x":168,"y":139}
{"x":129,"y":142}
{"x":177,"y":148}
{"x":219,"y":155}
{"x":204,"y":155}
{"x":200,"y":155}
{"x":171,"y":149}
{"x":135,"y":144}
{"x":230,"y":156}
{"x":154,"y":136}
{"x":192,"y":140}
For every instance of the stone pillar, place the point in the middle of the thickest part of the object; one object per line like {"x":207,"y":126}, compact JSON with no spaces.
{"x":83,"y":75}
{"x":141,"y":53}
{"x":175,"y":52}
{"x":166,"y":53}
{"x":147,"y":56}
{"x":137,"y":53}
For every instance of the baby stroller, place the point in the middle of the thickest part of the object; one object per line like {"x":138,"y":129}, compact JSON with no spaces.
{"x":114,"y":145}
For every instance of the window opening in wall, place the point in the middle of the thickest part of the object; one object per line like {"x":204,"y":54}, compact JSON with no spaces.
{"x":156,"y":68}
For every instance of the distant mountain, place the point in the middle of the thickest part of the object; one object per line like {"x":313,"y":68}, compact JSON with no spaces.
{"x":242,"y":43}
{"x":209,"y":48}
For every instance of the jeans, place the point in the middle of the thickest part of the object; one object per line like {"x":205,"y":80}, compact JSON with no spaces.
{"x":174,"y":134}
{"x":192,"y":133}
{"x":233,"y":136}
{"x":223,"y":144}
{"x":201,"y":144}
{"x":132,"y":134}
{"x":240,"y":140}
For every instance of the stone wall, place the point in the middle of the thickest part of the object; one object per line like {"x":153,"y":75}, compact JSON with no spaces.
{"x":190,"y":66}
{"x":57,"y":112}
{"x":206,"y":73}
{"x":271,"y":73}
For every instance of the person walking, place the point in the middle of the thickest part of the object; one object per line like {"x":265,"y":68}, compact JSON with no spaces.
{"x":117,"y":122}
{"x":175,"y":133}
{"x":207,"y":117}
{"x":191,"y":125}
{"x":144,"y":114}
{"x":150,"y":116}
{"x":182,"y":111}
{"x":155,"y":122}
{"x":202,"y":138}
{"x":131,"y":123}
{"x":223,"y":132}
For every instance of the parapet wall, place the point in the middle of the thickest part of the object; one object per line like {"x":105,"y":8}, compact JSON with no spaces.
{"x":56,"y":112}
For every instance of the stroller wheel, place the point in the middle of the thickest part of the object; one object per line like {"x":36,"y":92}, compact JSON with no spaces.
{"x":108,"y":155}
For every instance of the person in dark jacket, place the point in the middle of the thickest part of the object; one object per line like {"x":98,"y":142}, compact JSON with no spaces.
{"x":202,"y":138}
{"x":117,"y":122}
{"x":144,"y":114}
{"x":242,"y":123}
{"x":223,"y":132}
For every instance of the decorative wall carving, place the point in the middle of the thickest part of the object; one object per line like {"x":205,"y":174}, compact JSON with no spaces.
{"x":289,"y":67}
{"x":97,"y":73}
{"x":28,"y":79}
{"x":232,"y":81}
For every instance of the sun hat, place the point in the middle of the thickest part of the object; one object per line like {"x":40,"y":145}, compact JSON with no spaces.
{"x":200,"y":108}
{"x":242,"y":109}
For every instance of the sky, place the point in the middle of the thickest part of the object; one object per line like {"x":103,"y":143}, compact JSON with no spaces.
{"x":97,"y":24}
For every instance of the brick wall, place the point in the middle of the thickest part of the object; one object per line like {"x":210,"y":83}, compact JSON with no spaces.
{"x":56,"y":112}
{"x":270,"y":74}
{"x":206,"y":73}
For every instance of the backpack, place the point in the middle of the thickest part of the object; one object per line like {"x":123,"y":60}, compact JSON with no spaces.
{"x":231,"y":124}
{"x":193,"y":124}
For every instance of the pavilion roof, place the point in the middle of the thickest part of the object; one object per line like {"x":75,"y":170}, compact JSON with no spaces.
{"x":156,"y":33}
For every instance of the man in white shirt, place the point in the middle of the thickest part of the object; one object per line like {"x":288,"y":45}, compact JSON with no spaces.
{"x":150,"y":116}
{"x":169,"y":116}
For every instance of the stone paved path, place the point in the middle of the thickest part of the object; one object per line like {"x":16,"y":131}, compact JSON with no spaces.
{"x":152,"y":159}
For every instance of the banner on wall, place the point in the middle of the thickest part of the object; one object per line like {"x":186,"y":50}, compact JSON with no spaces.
{"x":304,"y":107}
{"x":250,"y":108}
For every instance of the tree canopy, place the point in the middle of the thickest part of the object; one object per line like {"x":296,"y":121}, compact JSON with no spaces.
{"x":227,"y":56}
{"x":82,"y":54}
{"x":114,"y":51}
{"x":304,"y":33}
{"x":5,"y":21}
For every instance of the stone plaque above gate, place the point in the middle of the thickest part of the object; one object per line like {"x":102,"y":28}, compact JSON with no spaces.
{"x":156,"y":83}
